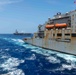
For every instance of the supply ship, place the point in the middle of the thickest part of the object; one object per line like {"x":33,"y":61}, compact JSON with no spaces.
{"x":57,"y":33}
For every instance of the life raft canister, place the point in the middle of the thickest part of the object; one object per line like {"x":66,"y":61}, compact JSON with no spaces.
{"x":49,"y":26}
{"x":60,"y":25}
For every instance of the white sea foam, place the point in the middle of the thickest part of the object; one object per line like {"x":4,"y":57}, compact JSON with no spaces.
{"x":52,"y":59}
{"x":33,"y":57}
{"x":5,"y":38}
{"x":7,"y":49}
{"x":13,"y":39}
{"x":15,"y":72}
{"x":18,"y":41}
{"x":66,"y":66}
{"x":11,"y":64}
{"x":69,"y":67}
{"x":29,"y":46}
{"x":43,"y":52}
{"x":3,"y":56}
{"x":68,"y":58}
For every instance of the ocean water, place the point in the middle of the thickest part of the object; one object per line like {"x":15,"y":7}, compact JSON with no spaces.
{"x":20,"y":58}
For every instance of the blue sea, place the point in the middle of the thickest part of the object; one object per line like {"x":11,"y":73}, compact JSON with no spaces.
{"x":20,"y":58}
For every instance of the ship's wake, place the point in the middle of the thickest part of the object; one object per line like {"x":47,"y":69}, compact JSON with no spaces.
{"x":37,"y":59}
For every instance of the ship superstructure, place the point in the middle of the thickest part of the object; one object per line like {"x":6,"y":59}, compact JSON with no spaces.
{"x":66,"y":22}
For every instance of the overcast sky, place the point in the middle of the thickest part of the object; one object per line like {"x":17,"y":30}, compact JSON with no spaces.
{"x":26,"y":15}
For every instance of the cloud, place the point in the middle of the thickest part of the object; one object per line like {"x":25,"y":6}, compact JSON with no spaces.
{"x":61,"y":3}
{"x":53,"y":2}
{"x":5,"y":2}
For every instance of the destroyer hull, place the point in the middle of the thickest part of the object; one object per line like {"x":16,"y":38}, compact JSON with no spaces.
{"x":68,"y":47}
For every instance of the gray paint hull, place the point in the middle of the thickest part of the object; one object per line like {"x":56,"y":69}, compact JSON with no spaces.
{"x":61,"y":46}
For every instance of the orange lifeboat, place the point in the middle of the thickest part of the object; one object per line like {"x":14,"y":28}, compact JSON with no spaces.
{"x":49,"y":26}
{"x":61,"y":25}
